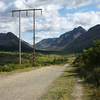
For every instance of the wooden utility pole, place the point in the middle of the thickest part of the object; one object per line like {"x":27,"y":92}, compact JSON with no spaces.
{"x":19,"y":33}
{"x":34,"y":37}
{"x":19,"y":37}
{"x":34,"y":31}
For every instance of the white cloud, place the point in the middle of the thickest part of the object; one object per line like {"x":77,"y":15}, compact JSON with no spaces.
{"x":51,"y":22}
{"x":75,"y":3}
{"x":2,"y":6}
{"x":98,"y":6}
{"x":97,"y":0}
{"x":86,"y":19}
{"x":45,"y":35}
{"x":19,"y":4}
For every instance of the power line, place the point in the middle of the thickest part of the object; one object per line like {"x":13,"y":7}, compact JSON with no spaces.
{"x":34,"y":31}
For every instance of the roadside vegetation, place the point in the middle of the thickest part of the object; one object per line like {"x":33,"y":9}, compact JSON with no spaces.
{"x":62,"y":87}
{"x":9,"y":60}
{"x":88,"y":67}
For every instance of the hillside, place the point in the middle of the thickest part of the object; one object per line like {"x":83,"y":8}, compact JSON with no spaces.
{"x":46,"y":43}
{"x":72,"y":42}
{"x":10,"y":42}
{"x":84,"y":41}
{"x":62,"y":41}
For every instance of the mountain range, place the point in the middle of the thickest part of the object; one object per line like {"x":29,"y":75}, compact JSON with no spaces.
{"x":62,"y":41}
{"x":10,"y":42}
{"x":84,"y":41}
{"x":73,"y":41}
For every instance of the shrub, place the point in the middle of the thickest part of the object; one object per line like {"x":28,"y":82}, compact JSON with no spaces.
{"x":89,"y":64}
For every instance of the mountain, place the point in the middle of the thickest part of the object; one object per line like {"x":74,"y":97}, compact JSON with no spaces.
{"x":61,"y":42}
{"x":70,"y":42}
{"x":84,"y":41}
{"x":46,"y":43}
{"x":10,"y":42}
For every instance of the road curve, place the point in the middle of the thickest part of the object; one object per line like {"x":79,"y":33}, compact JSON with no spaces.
{"x":29,"y":85}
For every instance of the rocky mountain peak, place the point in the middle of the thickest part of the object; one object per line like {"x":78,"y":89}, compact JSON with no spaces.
{"x":79,"y":29}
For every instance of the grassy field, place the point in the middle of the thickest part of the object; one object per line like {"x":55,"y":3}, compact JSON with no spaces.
{"x":61,"y":88}
{"x":9,"y":60}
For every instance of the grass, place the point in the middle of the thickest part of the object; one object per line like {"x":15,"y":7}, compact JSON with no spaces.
{"x":91,"y":92}
{"x":61,"y":88}
{"x":9,"y":60}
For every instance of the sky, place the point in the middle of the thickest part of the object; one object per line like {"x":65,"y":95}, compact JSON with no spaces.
{"x":58,"y":16}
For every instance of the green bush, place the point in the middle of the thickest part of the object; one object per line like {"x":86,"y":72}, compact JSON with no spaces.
{"x":89,"y":64}
{"x":88,"y":67}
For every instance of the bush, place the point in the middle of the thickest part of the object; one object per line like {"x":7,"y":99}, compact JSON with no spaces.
{"x":89,"y":64}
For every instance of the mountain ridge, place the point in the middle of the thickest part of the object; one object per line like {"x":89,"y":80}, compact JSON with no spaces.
{"x":70,"y":42}
{"x":10,"y":42}
{"x":84,"y":41}
{"x":74,"y":41}
{"x":62,"y":41}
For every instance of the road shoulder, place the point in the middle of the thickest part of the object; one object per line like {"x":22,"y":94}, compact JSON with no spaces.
{"x":62,"y":87}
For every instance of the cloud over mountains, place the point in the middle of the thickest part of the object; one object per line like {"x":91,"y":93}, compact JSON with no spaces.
{"x":58,"y":16}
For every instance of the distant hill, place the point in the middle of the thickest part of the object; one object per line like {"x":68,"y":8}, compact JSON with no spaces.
{"x":84,"y":41}
{"x":61,"y":42}
{"x":10,"y":42}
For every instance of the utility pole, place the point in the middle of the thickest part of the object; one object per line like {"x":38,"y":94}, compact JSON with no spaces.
{"x":19,"y":14}
{"x":34,"y":32}
{"x":19,"y":37}
{"x":34,"y":37}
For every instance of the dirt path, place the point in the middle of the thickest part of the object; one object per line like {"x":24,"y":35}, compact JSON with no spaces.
{"x":77,"y":93}
{"x":28,"y":85}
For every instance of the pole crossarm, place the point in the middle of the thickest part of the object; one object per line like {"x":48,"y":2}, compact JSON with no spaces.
{"x":25,"y":10}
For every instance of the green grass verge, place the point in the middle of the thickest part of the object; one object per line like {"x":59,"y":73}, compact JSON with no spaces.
{"x":62,"y":87}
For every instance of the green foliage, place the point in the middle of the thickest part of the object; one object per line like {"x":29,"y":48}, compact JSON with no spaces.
{"x":88,"y":66}
{"x":9,"y":60}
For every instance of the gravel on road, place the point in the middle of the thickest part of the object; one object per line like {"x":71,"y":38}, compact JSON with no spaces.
{"x":29,"y":85}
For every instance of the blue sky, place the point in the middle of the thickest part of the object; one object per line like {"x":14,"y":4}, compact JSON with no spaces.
{"x":59,"y":16}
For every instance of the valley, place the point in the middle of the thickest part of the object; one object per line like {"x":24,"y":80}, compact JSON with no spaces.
{"x":79,"y":49}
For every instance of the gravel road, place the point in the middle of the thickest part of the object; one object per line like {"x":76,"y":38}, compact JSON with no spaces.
{"x":77,"y":93}
{"x":29,"y":85}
